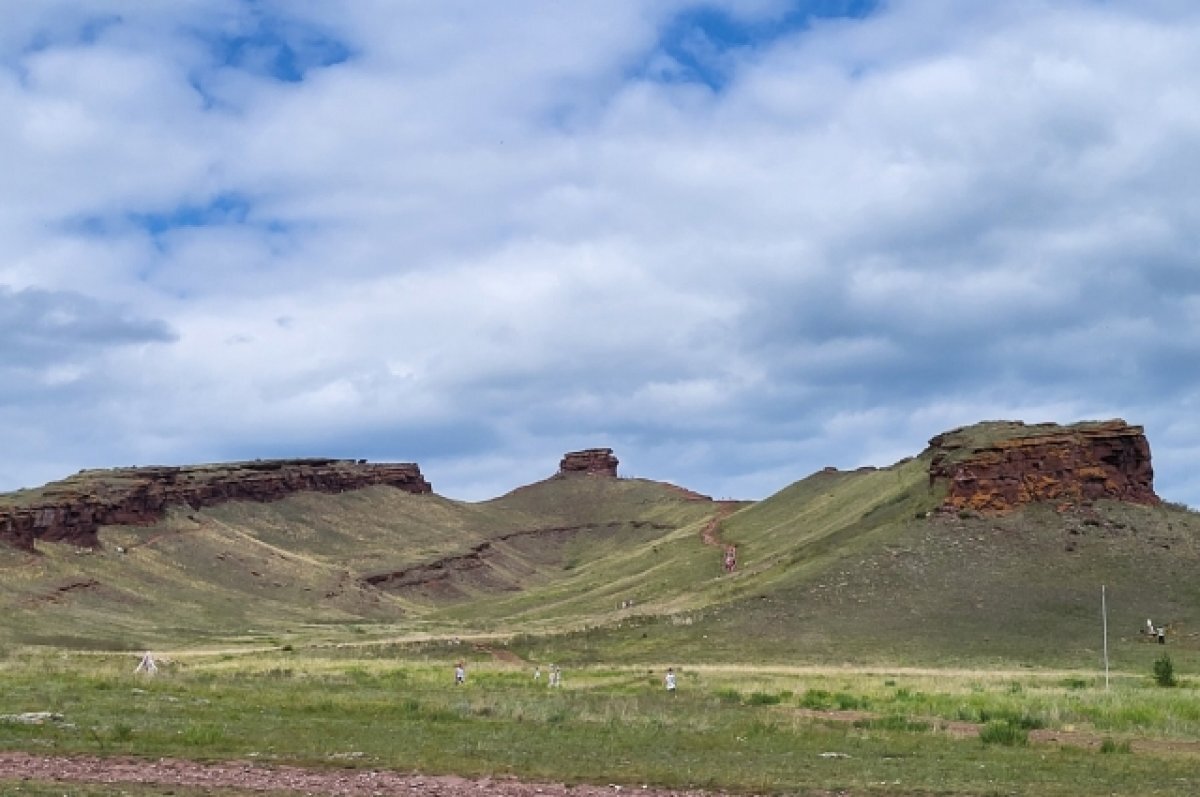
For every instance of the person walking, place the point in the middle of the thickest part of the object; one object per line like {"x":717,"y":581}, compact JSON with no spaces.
{"x":460,"y":674}
{"x":669,"y":680}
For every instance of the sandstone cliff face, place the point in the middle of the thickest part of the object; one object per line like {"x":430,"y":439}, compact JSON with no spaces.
{"x":996,"y":467}
{"x":597,"y":461}
{"x":74,"y":509}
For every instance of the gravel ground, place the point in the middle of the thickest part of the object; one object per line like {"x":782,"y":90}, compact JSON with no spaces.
{"x":330,"y":783}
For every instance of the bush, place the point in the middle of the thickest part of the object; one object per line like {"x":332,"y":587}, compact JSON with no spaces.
{"x":1110,"y":746}
{"x":724,"y":695}
{"x":847,"y":702}
{"x":893,"y":722}
{"x":817,"y":699}
{"x":763,"y":699}
{"x":1004,"y":732}
{"x":1024,"y":721}
{"x":1164,"y":671}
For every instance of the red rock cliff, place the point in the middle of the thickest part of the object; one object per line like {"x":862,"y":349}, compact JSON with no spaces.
{"x":999,"y":466}
{"x":599,"y":461}
{"x":74,"y":509}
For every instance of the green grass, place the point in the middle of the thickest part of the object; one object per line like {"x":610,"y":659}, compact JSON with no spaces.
{"x":607,"y":725}
{"x":282,"y":651}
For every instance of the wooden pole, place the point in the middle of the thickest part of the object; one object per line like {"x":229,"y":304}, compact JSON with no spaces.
{"x":1104,"y":615}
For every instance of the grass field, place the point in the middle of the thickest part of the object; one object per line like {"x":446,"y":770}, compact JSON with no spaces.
{"x":871,"y":731}
{"x":867,"y":642}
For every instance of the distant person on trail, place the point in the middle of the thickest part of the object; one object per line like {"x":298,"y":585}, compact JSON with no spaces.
{"x":460,"y":674}
{"x":669,"y":680}
{"x":730,"y":558}
{"x":147,"y":664}
{"x":1162,"y":635}
{"x":537,"y":673}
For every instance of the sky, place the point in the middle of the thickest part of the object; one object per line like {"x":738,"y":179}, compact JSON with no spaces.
{"x":736,"y":241}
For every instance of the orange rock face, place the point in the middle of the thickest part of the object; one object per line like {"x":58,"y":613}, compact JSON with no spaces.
{"x":74,"y":509}
{"x":599,"y":461}
{"x":998,"y":467}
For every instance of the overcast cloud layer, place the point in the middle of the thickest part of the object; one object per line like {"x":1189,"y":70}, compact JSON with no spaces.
{"x":735,"y":241}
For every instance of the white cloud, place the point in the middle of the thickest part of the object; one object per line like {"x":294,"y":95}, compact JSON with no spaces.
{"x":488,"y":234}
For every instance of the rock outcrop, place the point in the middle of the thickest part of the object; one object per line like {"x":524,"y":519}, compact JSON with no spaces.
{"x":73,"y":510}
{"x":595,"y":461}
{"x":998,"y":466}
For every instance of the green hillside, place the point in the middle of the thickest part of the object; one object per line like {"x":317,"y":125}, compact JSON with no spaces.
{"x":841,"y":566}
{"x":300,"y":568}
{"x":857,"y":568}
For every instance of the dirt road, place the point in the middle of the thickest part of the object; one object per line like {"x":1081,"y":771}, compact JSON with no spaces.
{"x":325,"y":782}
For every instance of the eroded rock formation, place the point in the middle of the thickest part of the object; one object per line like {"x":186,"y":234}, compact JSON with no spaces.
{"x":597,"y":461}
{"x":74,"y":509}
{"x":998,"y":466}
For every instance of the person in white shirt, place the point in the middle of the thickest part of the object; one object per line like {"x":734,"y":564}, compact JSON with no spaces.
{"x":669,"y":680}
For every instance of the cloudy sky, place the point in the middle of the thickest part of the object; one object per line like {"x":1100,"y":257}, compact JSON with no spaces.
{"x":736,"y":240}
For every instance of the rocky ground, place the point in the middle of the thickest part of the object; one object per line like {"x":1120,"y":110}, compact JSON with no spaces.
{"x":253,"y":777}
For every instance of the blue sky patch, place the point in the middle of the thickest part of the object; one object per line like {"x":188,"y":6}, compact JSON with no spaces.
{"x":697,"y":41}
{"x":87,"y":32}
{"x":285,"y":50}
{"x":227,"y":208}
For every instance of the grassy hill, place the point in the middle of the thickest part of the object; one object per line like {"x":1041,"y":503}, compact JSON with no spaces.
{"x":858,"y":568}
{"x":841,"y":566}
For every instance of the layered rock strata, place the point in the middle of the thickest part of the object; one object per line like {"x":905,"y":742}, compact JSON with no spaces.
{"x":73,"y":510}
{"x":996,"y":467}
{"x":595,"y":461}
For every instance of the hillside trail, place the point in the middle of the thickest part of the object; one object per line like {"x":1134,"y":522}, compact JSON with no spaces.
{"x":709,"y":534}
{"x":500,"y":654}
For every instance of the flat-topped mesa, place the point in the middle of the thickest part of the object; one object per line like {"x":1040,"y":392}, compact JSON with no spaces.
{"x":74,"y":509}
{"x":593,"y":461}
{"x":1000,"y":465}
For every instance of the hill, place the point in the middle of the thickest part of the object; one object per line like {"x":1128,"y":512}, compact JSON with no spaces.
{"x":990,"y":545}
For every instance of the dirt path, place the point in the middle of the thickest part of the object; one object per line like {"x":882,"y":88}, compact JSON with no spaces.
{"x":708,"y":534}
{"x":169,"y":772}
{"x":500,"y":654}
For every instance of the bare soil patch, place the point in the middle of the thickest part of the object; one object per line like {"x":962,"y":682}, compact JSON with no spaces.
{"x":332,"y":783}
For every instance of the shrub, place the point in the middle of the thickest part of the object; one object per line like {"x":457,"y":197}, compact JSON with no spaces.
{"x":763,"y":699}
{"x":724,"y":695}
{"x":816,"y":698}
{"x":847,"y":701}
{"x":1164,"y":671}
{"x":893,"y":722}
{"x":1004,"y":732}
{"x":1110,"y":746}
{"x":1023,"y":721}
